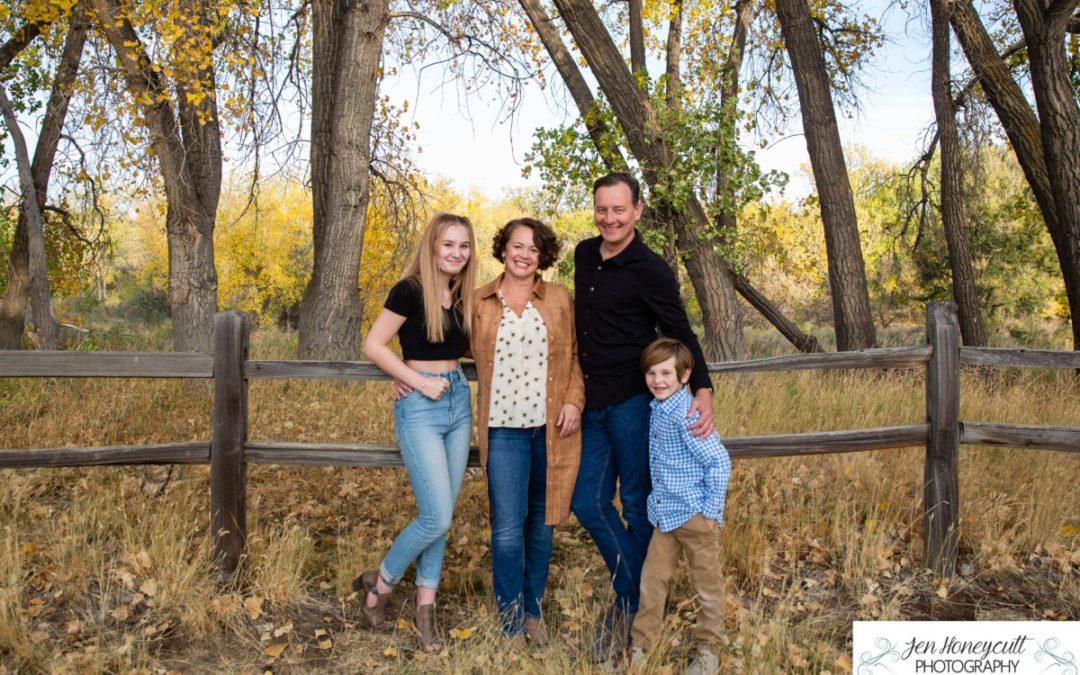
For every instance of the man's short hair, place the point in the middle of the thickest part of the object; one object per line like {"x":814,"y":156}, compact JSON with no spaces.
{"x":663,"y":349}
{"x":616,"y":177}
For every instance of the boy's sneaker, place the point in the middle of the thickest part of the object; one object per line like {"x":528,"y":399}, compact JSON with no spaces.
{"x":705,"y":663}
{"x":637,"y":658}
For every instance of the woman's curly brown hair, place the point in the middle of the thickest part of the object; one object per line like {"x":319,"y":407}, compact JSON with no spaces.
{"x":543,"y":236}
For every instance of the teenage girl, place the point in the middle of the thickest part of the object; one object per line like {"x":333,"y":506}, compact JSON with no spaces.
{"x":429,"y":311}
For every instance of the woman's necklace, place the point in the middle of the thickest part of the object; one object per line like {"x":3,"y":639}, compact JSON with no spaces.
{"x":517,"y":304}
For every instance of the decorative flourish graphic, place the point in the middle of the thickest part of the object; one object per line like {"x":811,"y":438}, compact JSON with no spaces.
{"x":1066,"y":662}
{"x":869,"y":662}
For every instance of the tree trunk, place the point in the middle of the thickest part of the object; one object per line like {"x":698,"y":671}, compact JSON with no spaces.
{"x":348,"y":39}
{"x":14,"y":301}
{"x":40,"y":298}
{"x":713,"y":287}
{"x":674,"y":56}
{"x":1047,"y":147}
{"x":187,"y":143}
{"x":847,"y":274}
{"x":712,"y":279}
{"x":952,"y":199}
{"x":575,"y":84}
{"x":1006,"y":98}
{"x":637,"y":39}
{"x":807,"y":344}
{"x":1044,"y":25}
{"x":727,"y":149}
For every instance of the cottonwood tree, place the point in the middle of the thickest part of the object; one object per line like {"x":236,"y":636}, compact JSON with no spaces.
{"x":37,"y":271}
{"x":714,"y":88}
{"x":19,"y":277}
{"x":953,"y":215}
{"x":176,"y":98}
{"x":736,"y":173}
{"x":1046,"y":138}
{"x":75,"y":239}
{"x":347,"y":51}
{"x":349,"y":43}
{"x":852,"y":317}
{"x":636,"y":116}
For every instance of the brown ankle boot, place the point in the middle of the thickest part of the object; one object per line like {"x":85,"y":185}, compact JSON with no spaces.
{"x":427,"y":633}
{"x":376,"y":616}
{"x":536,"y":632}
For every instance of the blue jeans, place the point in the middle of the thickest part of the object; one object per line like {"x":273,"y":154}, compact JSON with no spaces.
{"x":615,"y":446}
{"x":434,"y":441}
{"x":520,"y":541}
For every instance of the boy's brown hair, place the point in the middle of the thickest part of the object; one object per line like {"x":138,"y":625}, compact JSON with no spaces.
{"x":663,"y":349}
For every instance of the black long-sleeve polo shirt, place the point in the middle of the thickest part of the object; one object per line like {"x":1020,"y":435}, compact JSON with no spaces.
{"x":619,"y":305}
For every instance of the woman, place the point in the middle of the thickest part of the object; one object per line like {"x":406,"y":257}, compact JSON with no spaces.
{"x":430,"y":311}
{"x":531,"y":395}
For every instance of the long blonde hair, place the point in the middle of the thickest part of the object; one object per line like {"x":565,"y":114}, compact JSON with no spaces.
{"x":424,"y":268}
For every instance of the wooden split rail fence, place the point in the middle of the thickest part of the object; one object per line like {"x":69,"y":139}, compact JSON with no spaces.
{"x":229,"y":452}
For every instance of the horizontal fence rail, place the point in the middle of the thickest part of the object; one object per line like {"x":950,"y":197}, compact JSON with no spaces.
{"x":827,"y":442}
{"x":105,"y":364}
{"x":229,"y":451}
{"x":1035,"y":437}
{"x":324,"y":370}
{"x":330,"y":454}
{"x":108,"y":455}
{"x":1018,"y":358}
{"x":890,"y":357}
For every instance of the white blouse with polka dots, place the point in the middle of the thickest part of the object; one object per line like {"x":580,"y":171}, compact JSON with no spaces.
{"x":519,"y":381}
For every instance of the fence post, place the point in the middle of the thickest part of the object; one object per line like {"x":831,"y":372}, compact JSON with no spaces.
{"x":228,"y":509}
{"x":942,"y":489}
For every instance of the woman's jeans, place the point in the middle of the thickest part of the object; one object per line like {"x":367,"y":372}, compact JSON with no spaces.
{"x":520,"y":541}
{"x":434,"y":441}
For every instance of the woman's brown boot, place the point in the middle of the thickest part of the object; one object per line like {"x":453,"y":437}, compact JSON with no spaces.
{"x":376,"y":615}
{"x":427,"y":633}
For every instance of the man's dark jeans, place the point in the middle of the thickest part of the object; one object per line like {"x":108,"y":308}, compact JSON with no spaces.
{"x":615,"y":446}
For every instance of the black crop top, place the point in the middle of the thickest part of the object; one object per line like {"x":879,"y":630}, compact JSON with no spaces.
{"x":407,"y":299}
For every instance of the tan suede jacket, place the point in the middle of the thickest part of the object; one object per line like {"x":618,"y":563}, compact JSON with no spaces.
{"x":564,"y":385}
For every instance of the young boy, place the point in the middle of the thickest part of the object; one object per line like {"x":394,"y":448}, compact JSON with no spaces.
{"x":686,"y":507}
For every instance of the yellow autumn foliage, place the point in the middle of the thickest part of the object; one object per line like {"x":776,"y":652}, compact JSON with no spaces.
{"x":263,"y":249}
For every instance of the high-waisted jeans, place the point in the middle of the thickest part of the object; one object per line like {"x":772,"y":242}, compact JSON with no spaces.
{"x":520,"y":541}
{"x":434,"y":441}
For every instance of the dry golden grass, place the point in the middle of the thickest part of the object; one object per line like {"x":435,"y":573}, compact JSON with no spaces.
{"x":99,"y":572}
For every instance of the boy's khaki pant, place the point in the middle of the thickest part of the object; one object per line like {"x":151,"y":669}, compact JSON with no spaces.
{"x":702,"y":546}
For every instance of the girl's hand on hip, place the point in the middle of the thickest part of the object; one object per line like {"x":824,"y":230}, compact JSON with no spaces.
{"x":569,"y":420}
{"x":434,"y":387}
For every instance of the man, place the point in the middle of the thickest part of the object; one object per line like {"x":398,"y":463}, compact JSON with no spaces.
{"x":624,"y":293}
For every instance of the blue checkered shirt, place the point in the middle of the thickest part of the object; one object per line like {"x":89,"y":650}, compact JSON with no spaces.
{"x":689,"y":475}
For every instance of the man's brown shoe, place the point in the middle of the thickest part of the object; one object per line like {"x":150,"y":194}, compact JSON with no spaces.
{"x":536,"y":632}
